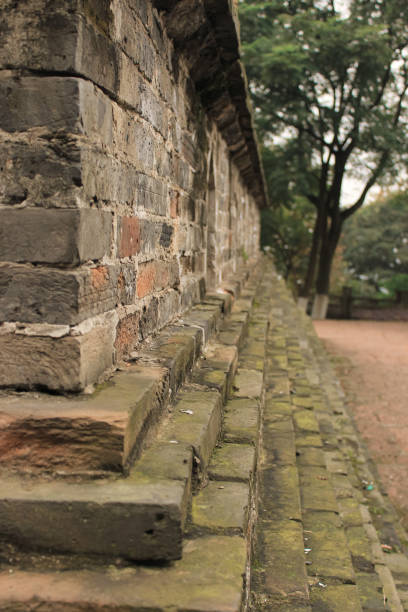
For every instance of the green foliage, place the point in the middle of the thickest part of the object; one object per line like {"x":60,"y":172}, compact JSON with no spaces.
{"x":286,"y":232}
{"x":376,"y":243}
{"x":329,"y":91}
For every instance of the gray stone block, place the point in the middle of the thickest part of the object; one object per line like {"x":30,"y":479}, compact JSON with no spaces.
{"x":56,"y":38}
{"x":40,"y":172}
{"x":32,"y":45}
{"x":54,"y":236}
{"x":199,"y":582}
{"x":37,"y":295}
{"x":29,"y":102}
{"x":58,"y":364}
{"x":33,"y":294}
{"x":122,"y":518}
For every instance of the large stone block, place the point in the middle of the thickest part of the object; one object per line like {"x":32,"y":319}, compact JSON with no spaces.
{"x":40,"y":172}
{"x":199,"y":582}
{"x":67,"y":363}
{"x":56,"y":38}
{"x":54,"y":236}
{"x":103,"y":431}
{"x":40,"y":294}
{"x":29,"y":102}
{"x":26,"y":41}
{"x":135,"y":521}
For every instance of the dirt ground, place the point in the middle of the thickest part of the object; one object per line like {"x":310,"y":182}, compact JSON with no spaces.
{"x":371,"y":358}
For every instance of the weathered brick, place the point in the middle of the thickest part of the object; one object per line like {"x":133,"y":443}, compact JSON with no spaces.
{"x":156,"y":275}
{"x":127,"y":334}
{"x":28,"y":102}
{"x":152,"y":194}
{"x":35,"y":294}
{"x":128,"y":236}
{"x":146,"y":279}
{"x":54,"y":236}
{"x":40,"y":172}
{"x":59,"y":364}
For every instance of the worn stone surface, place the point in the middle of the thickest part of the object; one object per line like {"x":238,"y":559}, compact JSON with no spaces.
{"x":109,"y":518}
{"x":233,"y":462}
{"x":284,"y":503}
{"x":370,"y":592}
{"x":241,"y":420}
{"x":248,"y":383}
{"x":329,"y":555}
{"x":198,"y":582}
{"x":196,"y":420}
{"x":217,"y":369}
{"x":283,"y":562}
{"x":316,"y":544}
{"x":336,"y":598}
{"x":221,"y":505}
{"x":98,"y":431}
{"x":309,"y":448}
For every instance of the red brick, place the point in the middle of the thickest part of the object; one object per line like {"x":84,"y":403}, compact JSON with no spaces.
{"x":162,"y":279}
{"x":99,"y":277}
{"x":129,"y":236}
{"x":127,"y":333}
{"x":146,"y":279}
{"x":155,"y":276}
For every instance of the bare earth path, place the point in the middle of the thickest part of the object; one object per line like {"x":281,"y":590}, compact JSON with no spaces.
{"x":372,"y":361}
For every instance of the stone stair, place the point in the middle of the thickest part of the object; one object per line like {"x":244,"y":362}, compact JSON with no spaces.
{"x":107,"y":496}
{"x":221,"y":472}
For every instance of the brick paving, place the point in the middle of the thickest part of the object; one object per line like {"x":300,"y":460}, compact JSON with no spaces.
{"x":323,"y":519}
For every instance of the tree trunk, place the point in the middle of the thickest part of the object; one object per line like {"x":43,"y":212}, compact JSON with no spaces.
{"x":311,"y":267}
{"x":327,"y":251}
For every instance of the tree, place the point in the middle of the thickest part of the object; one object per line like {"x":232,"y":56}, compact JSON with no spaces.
{"x":329,"y":86}
{"x":376,"y":242}
{"x":286,"y":232}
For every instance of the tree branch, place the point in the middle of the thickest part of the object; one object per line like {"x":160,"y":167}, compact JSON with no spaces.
{"x":380,"y":166}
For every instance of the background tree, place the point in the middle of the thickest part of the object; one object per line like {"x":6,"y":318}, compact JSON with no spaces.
{"x":376,"y":243}
{"x":329,"y":89}
{"x":286,"y":233}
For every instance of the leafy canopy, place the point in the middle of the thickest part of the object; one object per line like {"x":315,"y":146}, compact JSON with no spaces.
{"x":329,"y":80}
{"x":376,"y":242}
{"x":330,"y":85}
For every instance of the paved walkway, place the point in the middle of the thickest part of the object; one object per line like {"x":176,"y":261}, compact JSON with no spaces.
{"x":325,"y":529}
{"x":372,"y":362}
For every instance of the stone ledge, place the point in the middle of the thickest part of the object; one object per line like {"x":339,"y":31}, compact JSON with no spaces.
{"x":199,"y":582}
{"x":123,"y":518}
{"x":119,"y":419}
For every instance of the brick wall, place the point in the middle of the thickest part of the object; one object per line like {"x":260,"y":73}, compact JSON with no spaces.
{"x":118,"y":193}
